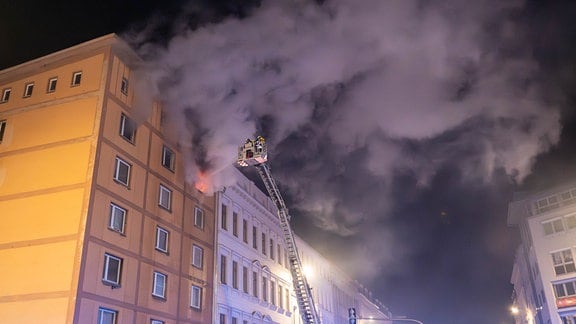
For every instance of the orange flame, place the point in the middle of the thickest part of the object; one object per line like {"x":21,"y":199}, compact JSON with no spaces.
{"x":202,"y":182}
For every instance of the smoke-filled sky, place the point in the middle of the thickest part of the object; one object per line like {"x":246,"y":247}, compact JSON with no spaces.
{"x":397,"y":129}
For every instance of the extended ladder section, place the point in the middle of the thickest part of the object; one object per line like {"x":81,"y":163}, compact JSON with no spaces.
{"x":254,"y":153}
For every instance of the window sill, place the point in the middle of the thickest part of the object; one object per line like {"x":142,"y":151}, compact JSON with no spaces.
{"x":159,"y":298}
{"x":122,"y":184}
{"x":117,"y":231}
{"x":162,"y":251}
{"x":113,"y":285}
{"x":166,"y":209}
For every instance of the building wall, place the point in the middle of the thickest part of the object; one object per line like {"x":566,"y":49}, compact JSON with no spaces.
{"x":270,"y":303}
{"x":333,"y":291}
{"x":46,"y":162}
{"x":548,"y":226}
{"x":58,"y":163}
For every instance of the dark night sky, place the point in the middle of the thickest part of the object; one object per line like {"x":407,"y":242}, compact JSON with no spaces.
{"x":437,"y":223}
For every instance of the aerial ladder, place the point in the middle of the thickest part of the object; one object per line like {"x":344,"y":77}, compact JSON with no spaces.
{"x":254,"y":153}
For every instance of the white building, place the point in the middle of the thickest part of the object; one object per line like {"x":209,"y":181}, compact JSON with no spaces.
{"x":544,"y":274}
{"x":253,"y":283}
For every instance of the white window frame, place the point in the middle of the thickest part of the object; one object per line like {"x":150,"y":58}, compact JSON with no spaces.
{"x":168,"y":158}
{"x":199,"y":217}
{"x":28,"y":90}
{"x":196,"y":297}
{"x":2,"y":129}
{"x":76,"y":79}
{"x":115,"y":212}
{"x":552,"y":223}
{"x":162,"y":239}
{"x":119,"y":163}
{"x":165,"y":197}
{"x":5,"y":95}
{"x":159,"y":281}
{"x":197,"y":256}
{"x":102,"y":311}
{"x":115,"y":282}
{"x":564,"y":290}
{"x":155,"y":321}
{"x":563,"y":259}
{"x":52,"y":83}
{"x":127,"y":128}
{"x":124,"y":85}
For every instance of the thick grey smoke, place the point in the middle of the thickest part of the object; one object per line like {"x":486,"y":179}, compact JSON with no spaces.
{"x":352,"y":92}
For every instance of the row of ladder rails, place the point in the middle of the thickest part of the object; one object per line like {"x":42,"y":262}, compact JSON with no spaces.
{"x":301,"y":287}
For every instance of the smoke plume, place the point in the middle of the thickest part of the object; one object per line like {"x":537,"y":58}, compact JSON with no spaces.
{"x":352,"y":93}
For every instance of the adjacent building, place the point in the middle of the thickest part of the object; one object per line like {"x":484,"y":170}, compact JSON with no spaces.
{"x":97,"y":222}
{"x":544,"y":273}
{"x":253,"y":282}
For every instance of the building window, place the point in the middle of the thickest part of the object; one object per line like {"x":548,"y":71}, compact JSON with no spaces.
{"x":245,"y":231}
{"x":52,"y":85}
{"x":168,"y":158}
{"x":264,"y":243}
{"x":107,"y":316}
{"x":76,"y":78}
{"x":199,"y":218}
{"x":117,"y":218}
{"x":265,"y":289}
{"x":162,"y":239}
{"x":234,"y":320}
{"x":272,"y":249}
{"x":159,"y":285}
{"x":112,"y":270}
{"x":245,"y":279}
{"x":196,"y":297}
{"x":255,"y":283}
{"x":124,"y":86}
{"x":122,"y":171}
{"x":553,"y":226}
{"x":287,"y":298}
{"x":234,"y":274}
{"x":127,"y":128}
{"x":280,"y":294}
{"x":197,"y":256}
{"x":224,"y":217}
{"x":235,"y":224}
{"x":570,"y":221}
{"x":565,"y":289}
{"x":5,"y":95}
{"x":155,"y":321}
{"x":254,"y":238}
{"x":563,"y":262}
{"x":165,"y":198}
{"x":2,"y":129}
{"x":28,"y":89}
{"x":272,"y":293}
{"x":223,"y":269}
{"x":222,"y":318}
{"x":279,"y":256}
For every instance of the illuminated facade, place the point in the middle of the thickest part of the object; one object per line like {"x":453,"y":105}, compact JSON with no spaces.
{"x":253,"y":282}
{"x":544,"y":273}
{"x":97,"y":223}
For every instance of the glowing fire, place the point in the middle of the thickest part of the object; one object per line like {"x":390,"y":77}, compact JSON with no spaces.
{"x":202,"y":182}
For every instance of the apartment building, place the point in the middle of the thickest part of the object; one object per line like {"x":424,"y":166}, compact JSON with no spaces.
{"x":97,"y":222}
{"x":253,"y":282}
{"x":544,"y":273}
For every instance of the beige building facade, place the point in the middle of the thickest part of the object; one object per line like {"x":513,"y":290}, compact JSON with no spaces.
{"x":97,"y":222}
